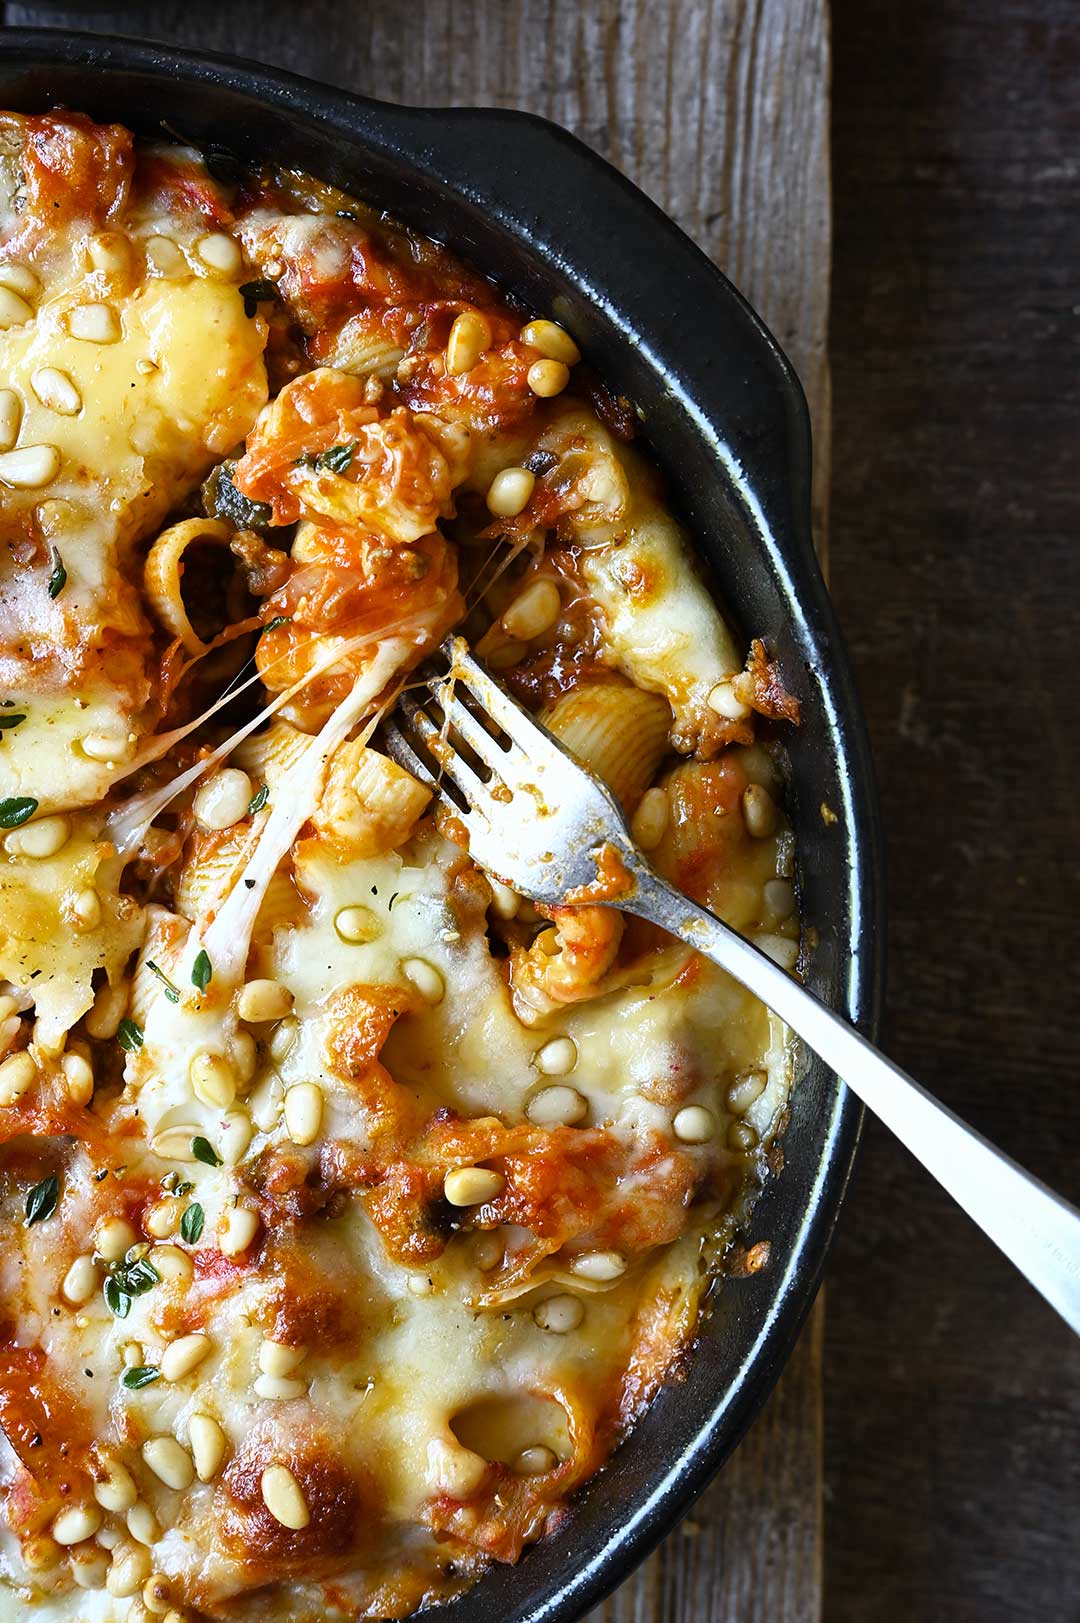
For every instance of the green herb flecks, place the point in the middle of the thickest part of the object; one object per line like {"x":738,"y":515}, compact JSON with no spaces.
{"x":41,"y":1201}
{"x":141,"y":1375}
{"x":202,"y":970}
{"x":172,"y":991}
{"x":58,"y":578}
{"x":256,"y":293}
{"x":17,"y":810}
{"x":334,"y":460}
{"x":258,"y":800}
{"x":191,"y":1224}
{"x":129,"y":1035}
{"x":221,"y":499}
{"x":205,"y":1152}
{"x":12,"y":721}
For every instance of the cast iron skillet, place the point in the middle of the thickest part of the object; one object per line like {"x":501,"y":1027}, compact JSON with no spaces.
{"x":724,"y":414}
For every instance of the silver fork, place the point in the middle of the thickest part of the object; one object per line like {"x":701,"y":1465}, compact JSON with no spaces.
{"x":536,"y":819}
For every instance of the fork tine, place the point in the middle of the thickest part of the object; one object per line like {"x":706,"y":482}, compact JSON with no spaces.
{"x":400,"y":750}
{"x":451,"y":763}
{"x":499,"y":706}
{"x":472,"y":731}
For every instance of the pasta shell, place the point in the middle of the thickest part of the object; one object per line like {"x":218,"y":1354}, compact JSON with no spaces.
{"x":266,"y":756}
{"x":211,"y":867}
{"x":369,"y":804}
{"x":282,"y":907}
{"x":620,"y":732}
{"x":164,"y":570}
{"x":361,"y":351}
{"x":165,"y":937}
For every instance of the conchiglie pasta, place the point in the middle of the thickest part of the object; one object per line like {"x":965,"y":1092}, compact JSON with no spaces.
{"x":282,"y":907}
{"x":211,"y":867}
{"x":359,"y":350}
{"x":165,"y":938}
{"x":163,"y":575}
{"x":369,"y":804}
{"x":266,"y":756}
{"x":620,"y":732}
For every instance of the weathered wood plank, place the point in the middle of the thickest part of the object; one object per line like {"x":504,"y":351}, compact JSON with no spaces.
{"x":719,"y":110}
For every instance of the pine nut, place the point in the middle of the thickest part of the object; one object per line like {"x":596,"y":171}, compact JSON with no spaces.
{"x":469,"y":337}
{"x":213,"y":1080}
{"x":694,"y":1125}
{"x":510,"y":491}
{"x":223,"y":799}
{"x":533,"y":611}
{"x":650,"y":820}
{"x":304,"y":1112}
{"x":56,"y":391}
{"x":548,"y":378}
{"x":155,"y":1595}
{"x":746,"y":1091}
{"x":10,"y":418}
{"x":163,"y":1218}
{"x":30,"y":467}
{"x":489,"y":1248}
{"x":357,"y":925}
{"x":426,"y":978}
{"x":723,"y":699}
{"x":504,"y":655}
{"x":142,"y":1524}
{"x":18,"y":1073}
{"x":243,"y":1057}
{"x":94,"y":323}
{"x":80,"y":1281}
{"x":208,"y":1444}
{"x":40,"y":839}
{"x":275,"y":1358}
{"x":108,"y":251}
{"x":779,"y":897}
{"x":535,"y":1461}
{"x":20,"y":279}
{"x":40,"y":1553}
{"x":267,"y":1101}
{"x":174,"y":1143}
{"x":741,"y":1136}
{"x":184,"y":1355}
{"x":108,"y":1537}
{"x":220,"y":253}
{"x":78,"y":1078}
{"x":237,"y":1230}
{"x":283,"y":1497}
{"x":559,"y":1314}
{"x":282,"y":1038}
{"x":165,"y":258}
{"x":86,"y":909}
{"x":599,"y":1266}
{"x":169,"y":1461}
{"x":759,"y":812}
{"x":278,"y":1388}
{"x":779,"y":948}
{"x":172,"y":1263}
{"x":116,"y":1489}
{"x":114,"y":1238}
{"x":110,"y":1001}
{"x":76,"y":1523}
{"x":556,"y":1107}
{"x":105,"y":747}
{"x":89,"y":1567}
{"x":129,"y":1570}
{"x":262,"y":1001}
{"x":472,"y":1186}
{"x":14,"y":311}
{"x":558,"y":1057}
{"x":234,"y":1137}
{"x":504,"y":901}
{"x":420,"y":1285}
{"x":553,"y":341}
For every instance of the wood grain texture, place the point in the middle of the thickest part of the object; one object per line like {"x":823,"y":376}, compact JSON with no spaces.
{"x":953,"y":1454}
{"x":719,"y":110}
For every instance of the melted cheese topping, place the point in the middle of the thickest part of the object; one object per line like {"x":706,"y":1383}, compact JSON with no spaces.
{"x":356,"y":1206}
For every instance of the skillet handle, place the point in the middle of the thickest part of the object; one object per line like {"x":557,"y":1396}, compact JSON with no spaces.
{"x":1037,"y":1230}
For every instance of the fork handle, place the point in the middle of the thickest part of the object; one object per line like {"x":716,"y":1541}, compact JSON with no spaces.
{"x":1037,"y":1230}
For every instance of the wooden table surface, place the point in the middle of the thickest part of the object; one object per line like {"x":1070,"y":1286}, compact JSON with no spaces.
{"x":952,"y":1402}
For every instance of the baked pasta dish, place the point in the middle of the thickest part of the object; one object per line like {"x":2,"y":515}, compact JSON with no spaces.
{"x":354,"y":1207}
